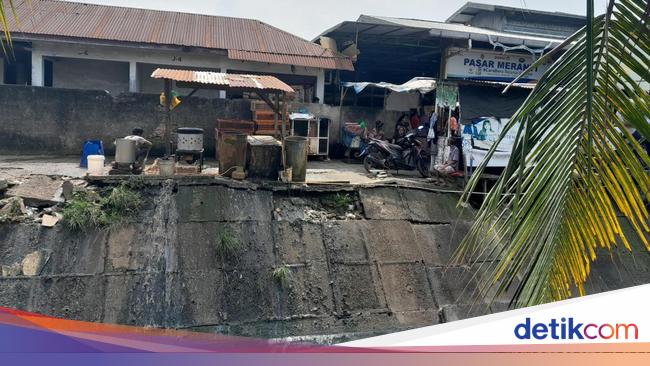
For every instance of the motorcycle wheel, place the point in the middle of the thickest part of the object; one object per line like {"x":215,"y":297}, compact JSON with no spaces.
{"x":422,"y":164}
{"x":367,"y":160}
{"x":367,"y":164}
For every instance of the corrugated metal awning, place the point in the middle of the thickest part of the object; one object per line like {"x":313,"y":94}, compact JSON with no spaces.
{"x":228,"y":81}
{"x":249,"y":37}
{"x":332,"y":61}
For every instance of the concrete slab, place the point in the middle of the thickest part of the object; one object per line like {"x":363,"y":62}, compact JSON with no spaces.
{"x":198,"y":243}
{"x":249,"y":295}
{"x":73,"y":297}
{"x":306,"y":292}
{"x":406,"y":287}
{"x":75,"y":253}
{"x":450,"y":313}
{"x":452,"y":286}
{"x":216,"y":203}
{"x":38,"y":191}
{"x":382,"y":204}
{"x":345,"y":241}
{"x":195,"y":298}
{"x":355,"y":288}
{"x":135,"y":299}
{"x":418,"y":318}
{"x":437,"y":242}
{"x":298,"y":242}
{"x":15,"y":293}
{"x":392,"y":241}
{"x":429,"y":207}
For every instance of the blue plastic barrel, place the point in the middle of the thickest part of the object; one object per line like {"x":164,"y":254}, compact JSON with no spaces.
{"x":91,"y":147}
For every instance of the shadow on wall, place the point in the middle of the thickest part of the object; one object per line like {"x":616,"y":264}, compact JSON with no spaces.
{"x":39,"y":120}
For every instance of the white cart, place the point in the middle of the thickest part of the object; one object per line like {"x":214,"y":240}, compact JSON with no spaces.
{"x":317,"y":130}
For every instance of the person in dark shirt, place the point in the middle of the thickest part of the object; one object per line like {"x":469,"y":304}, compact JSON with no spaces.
{"x":414,"y":119}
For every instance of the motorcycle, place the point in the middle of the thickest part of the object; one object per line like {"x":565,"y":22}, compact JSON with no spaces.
{"x":408,"y":154}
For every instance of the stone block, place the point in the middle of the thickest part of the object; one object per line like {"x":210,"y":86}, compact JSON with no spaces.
{"x":33,"y":263}
{"x":452,"y":313}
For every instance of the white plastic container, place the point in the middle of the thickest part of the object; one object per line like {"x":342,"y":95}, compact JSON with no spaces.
{"x":96,"y":165}
{"x":167,"y":167}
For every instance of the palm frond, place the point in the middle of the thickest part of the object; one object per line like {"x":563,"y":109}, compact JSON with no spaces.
{"x":6,"y":43}
{"x":574,"y":168}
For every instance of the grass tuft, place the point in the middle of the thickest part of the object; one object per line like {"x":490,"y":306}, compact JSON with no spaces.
{"x":281,"y":275}
{"x":228,"y":245}
{"x":340,"y":201}
{"x":87,"y":210}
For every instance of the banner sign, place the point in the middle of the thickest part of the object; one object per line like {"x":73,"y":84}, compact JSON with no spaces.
{"x":491,"y":66}
{"x":480,"y":135}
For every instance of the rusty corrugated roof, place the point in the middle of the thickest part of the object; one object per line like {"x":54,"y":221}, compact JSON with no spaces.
{"x":262,"y":82}
{"x":243,"y":37}
{"x":329,"y":62}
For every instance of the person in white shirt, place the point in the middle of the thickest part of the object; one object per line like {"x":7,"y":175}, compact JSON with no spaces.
{"x":142,"y":145}
{"x":450,"y":166}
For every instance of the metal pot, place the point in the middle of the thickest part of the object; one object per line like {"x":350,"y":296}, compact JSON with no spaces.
{"x":125,"y":151}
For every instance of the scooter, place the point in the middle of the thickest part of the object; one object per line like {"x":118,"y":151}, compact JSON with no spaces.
{"x":408,"y":154}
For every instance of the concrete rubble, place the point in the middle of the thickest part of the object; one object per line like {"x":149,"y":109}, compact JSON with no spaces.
{"x":39,"y":191}
{"x":34,"y":262}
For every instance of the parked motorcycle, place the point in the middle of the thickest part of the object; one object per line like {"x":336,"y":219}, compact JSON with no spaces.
{"x":408,"y":154}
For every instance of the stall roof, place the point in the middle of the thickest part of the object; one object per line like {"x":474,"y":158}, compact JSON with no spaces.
{"x":471,"y":9}
{"x":227,"y":81}
{"x":419,"y":84}
{"x":382,"y":25}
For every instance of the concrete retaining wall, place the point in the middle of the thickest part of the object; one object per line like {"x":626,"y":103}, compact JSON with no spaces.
{"x":380,"y":272}
{"x":53,"y":121}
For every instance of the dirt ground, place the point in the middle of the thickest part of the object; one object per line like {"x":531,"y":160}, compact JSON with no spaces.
{"x":14,"y":167}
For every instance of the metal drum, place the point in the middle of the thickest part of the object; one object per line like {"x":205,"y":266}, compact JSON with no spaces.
{"x":190,"y":139}
{"x":295,"y":150}
{"x":125,"y":151}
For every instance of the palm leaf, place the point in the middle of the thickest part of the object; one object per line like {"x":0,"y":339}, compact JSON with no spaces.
{"x":5,"y":42}
{"x":574,"y":168}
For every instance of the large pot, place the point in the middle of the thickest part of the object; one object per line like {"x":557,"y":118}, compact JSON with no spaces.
{"x":125,"y":151}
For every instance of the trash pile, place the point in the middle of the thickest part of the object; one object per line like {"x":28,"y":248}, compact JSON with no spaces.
{"x":319,"y":208}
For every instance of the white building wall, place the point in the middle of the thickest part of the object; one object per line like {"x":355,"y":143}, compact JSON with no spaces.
{"x":205,"y":60}
{"x":37,"y":68}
